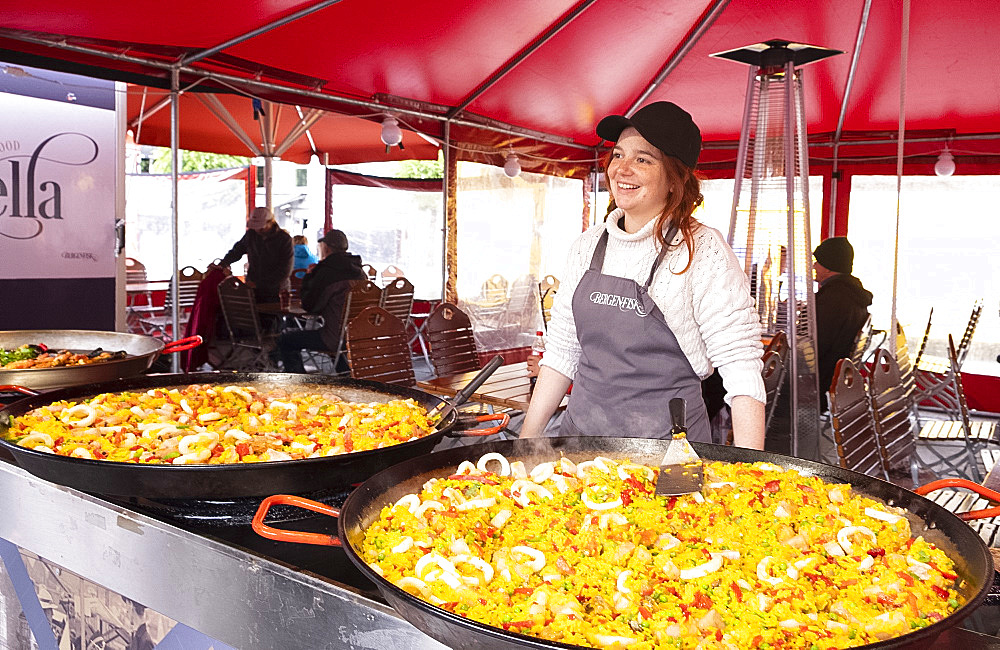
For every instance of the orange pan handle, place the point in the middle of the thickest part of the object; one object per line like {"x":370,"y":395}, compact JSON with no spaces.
{"x":985,"y":492}
{"x":14,"y":388}
{"x":182,"y":344}
{"x":502,"y":418}
{"x":297,"y":536}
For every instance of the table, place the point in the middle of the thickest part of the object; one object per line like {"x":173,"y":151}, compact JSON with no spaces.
{"x":133,"y":312}
{"x":510,"y":387}
{"x":294,"y":313}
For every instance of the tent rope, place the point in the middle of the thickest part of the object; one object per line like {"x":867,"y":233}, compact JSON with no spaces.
{"x":904,"y":48}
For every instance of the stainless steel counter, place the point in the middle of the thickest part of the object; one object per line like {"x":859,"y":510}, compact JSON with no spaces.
{"x":225,"y":593}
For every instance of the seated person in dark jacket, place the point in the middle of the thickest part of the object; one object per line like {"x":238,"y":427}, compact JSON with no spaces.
{"x":324,"y":291}
{"x":269,"y":256}
{"x":841,"y":307}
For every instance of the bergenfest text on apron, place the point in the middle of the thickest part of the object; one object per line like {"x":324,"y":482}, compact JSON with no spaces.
{"x":631,"y":365}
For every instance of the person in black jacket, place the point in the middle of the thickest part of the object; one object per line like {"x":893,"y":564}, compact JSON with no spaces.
{"x":841,"y":307}
{"x":269,"y":256}
{"x":324,"y":290}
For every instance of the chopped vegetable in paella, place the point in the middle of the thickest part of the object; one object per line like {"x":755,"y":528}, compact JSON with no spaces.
{"x":587,"y":554}
{"x":214,"y":424}
{"x":30,"y":356}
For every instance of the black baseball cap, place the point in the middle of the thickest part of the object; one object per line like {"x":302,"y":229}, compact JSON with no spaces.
{"x":666,"y":126}
{"x":335,"y":239}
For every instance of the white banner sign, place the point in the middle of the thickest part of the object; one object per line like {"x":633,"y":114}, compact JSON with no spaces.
{"x":57,"y":189}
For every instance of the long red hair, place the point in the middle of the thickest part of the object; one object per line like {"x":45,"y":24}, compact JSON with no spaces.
{"x":680,"y":204}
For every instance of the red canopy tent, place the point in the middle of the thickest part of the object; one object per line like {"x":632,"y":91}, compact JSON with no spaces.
{"x":537,"y":76}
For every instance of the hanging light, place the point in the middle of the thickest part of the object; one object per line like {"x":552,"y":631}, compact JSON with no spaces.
{"x":391,"y":133}
{"x":512,"y":166}
{"x":945,"y":165}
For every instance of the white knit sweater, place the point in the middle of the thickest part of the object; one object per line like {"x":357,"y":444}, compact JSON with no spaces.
{"x":708,"y":307}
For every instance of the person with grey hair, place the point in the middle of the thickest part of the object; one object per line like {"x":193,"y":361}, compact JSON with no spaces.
{"x":269,"y":255}
{"x":324,"y":290}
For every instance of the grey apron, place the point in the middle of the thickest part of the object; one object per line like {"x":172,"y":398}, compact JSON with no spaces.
{"x":631,"y":365}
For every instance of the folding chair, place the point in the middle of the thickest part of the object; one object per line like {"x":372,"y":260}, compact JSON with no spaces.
{"x":390,"y":273}
{"x":370,"y":272}
{"x":452,"y":345}
{"x":377,"y":348}
{"x":363,"y":294}
{"x":135,"y":271}
{"x":959,"y":429}
{"x":547,"y":290}
{"x":923,"y":341}
{"x":861,"y":342}
{"x":931,"y":364}
{"x":239,"y":309}
{"x":890,"y":403}
{"x":161,"y":324}
{"x":397,"y":298}
{"x":853,"y":425}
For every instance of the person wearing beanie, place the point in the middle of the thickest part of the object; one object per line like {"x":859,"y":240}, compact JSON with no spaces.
{"x":651,"y":301}
{"x":324,"y":292}
{"x":841,"y":307}
{"x":269,"y":256}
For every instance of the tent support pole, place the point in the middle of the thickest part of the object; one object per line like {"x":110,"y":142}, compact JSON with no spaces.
{"x":175,"y":98}
{"x":449,"y":188}
{"x":707,"y":20}
{"x":848,"y":86}
{"x":197,"y":56}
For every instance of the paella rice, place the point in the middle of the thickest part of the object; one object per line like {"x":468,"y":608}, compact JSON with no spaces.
{"x":206,"y":424}
{"x":587,"y":554}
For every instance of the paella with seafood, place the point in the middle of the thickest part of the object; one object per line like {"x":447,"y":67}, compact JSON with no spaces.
{"x":206,"y":424}
{"x":586,"y":553}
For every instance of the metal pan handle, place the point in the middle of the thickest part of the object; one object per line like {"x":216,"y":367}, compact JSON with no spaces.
{"x":14,"y":388}
{"x":502,"y":418}
{"x":297,"y":536}
{"x":182,"y":344}
{"x":924,"y":490}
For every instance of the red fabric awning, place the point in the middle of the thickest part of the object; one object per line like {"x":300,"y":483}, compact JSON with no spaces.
{"x":551,"y":68}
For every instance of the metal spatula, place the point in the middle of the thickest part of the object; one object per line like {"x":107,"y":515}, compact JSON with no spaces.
{"x":681,"y":470}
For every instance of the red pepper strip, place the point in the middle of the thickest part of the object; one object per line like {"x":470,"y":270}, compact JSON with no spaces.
{"x":772,"y":486}
{"x":524,"y":590}
{"x":907,"y":578}
{"x":646,"y":614}
{"x":885,"y":599}
{"x":947,"y":574}
{"x":876,"y":552}
{"x":737,"y":592}
{"x":520,"y":624}
{"x":756,"y":641}
{"x":242,"y":449}
{"x":941,"y":592}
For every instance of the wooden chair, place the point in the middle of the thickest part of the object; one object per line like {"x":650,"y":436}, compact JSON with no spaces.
{"x":370,"y":272}
{"x":377,"y":348}
{"x":934,"y":364}
{"x":774,"y":375}
{"x":239,"y":309}
{"x":161,"y":323}
{"x":494,"y":290}
{"x":960,"y":430}
{"x":391,"y":273}
{"x":452,"y":345}
{"x":547,"y":290}
{"x":933,"y":375}
{"x":853,"y":425}
{"x":135,"y":271}
{"x":923,"y":341}
{"x":397,"y":298}
{"x":363,"y":294}
{"x":295,"y":284}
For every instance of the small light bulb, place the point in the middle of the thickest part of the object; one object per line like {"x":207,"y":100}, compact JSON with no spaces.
{"x":512,"y":166}
{"x":391,"y":133}
{"x":945,"y":165}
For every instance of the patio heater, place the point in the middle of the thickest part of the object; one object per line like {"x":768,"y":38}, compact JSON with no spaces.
{"x":769,"y":227}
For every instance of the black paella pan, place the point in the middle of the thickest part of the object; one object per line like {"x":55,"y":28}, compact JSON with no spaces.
{"x":237,"y":479}
{"x":973,"y":561}
{"x":140,"y":353}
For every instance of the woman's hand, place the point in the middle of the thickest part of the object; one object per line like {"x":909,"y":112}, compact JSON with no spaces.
{"x":748,"y":422}
{"x":549,"y":391}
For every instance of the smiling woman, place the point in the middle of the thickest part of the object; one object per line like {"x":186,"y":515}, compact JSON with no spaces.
{"x":690,"y":309}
